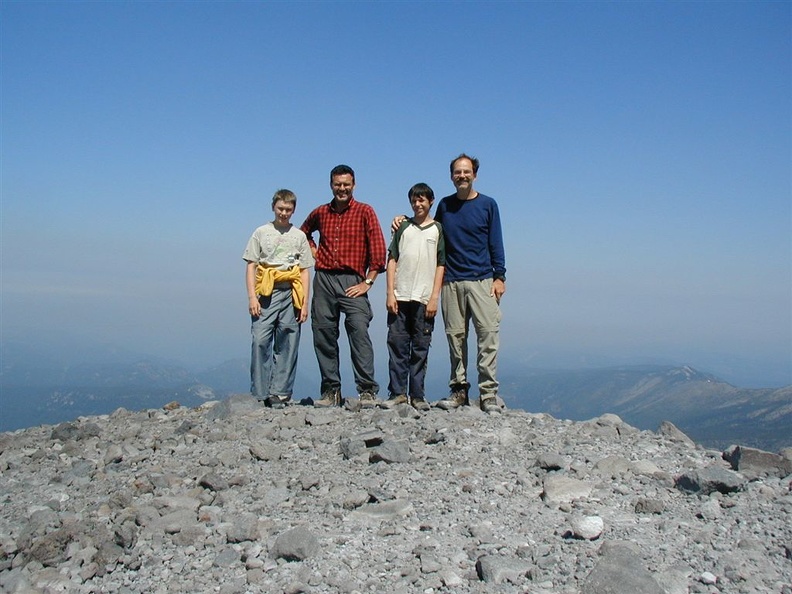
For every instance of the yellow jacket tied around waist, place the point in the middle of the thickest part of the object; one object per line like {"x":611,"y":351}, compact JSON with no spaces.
{"x":268,"y":276}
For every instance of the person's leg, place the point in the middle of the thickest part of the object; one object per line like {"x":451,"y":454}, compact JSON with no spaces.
{"x":261,"y":329}
{"x":287,"y":342}
{"x":357,"y":318}
{"x":456,"y":319}
{"x":420,"y":339}
{"x":398,"y":351}
{"x":486,"y":315}
{"x":325,"y":317}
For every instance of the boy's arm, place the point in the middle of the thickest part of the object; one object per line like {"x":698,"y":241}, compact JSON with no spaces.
{"x":431,"y":306}
{"x":390,"y":283}
{"x":305,"y":277}
{"x":254,"y":307}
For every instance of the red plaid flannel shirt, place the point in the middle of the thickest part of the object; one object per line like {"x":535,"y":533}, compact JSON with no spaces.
{"x":350,"y":241}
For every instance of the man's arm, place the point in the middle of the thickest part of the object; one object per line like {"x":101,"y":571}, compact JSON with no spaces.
{"x":497,"y":254}
{"x":375,"y":244}
{"x":308,"y":227}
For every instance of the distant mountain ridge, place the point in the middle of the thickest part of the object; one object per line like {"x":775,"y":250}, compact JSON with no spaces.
{"x":711,"y":411}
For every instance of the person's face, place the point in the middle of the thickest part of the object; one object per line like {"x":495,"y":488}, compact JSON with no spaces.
{"x":283,"y":212}
{"x":342,"y":187}
{"x":420,"y":205}
{"x":462,"y":175}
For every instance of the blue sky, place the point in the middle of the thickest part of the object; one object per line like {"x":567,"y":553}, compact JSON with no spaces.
{"x":640,"y":154}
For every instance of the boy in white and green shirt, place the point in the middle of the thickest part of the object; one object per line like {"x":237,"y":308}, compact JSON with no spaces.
{"x":416,"y":264}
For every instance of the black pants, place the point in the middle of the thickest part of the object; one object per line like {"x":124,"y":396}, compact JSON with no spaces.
{"x":328,"y":305}
{"x":409,"y":338}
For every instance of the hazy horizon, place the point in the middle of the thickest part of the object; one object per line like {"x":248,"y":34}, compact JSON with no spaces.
{"x":639,"y":152}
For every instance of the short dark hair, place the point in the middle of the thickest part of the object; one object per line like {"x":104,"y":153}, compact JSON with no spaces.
{"x":284,"y":195}
{"x":468,"y":157}
{"x":341,"y":170}
{"x":421,"y":189}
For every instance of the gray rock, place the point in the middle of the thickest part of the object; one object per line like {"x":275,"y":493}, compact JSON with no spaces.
{"x":243,"y":528}
{"x":197,"y":506}
{"x":391,"y":451}
{"x":561,"y":489}
{"x":613,"y":466}
{"x":645,"y":505}
{"x":385,"y":511}
{"x":620,"y":570}
{"x":669,"y":430}
{"x":551,"y":461}
{"x":754,"y":463}
{"x":296,"y":544}
{"x":213,"y":482}
{"x":75,"y":431}
{"x":586,"y":527}
{"x":233,"y":406}
{"x":226,"y":557}
{"x":498,"y":569}
{"x":709,"y":480}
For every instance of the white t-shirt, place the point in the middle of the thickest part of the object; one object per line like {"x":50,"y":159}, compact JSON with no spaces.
{"x":280,"y":248}
{"x":418,"y":252}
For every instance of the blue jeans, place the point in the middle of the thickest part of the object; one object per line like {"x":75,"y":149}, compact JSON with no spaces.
{"x":329,"y":302}
{"x":276,"y":338}
{"x":409,"y":338}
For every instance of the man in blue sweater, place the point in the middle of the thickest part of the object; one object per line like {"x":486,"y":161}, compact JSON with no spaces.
{"x":475,"y":281}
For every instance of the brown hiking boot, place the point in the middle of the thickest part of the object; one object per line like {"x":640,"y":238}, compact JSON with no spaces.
{"x":489,"y":404}
{"x":394,"y":400}
{"x":368,"y":399}
{"x":331,"y":397}
{"x":457,"y":398}
{"x":420,"y":404}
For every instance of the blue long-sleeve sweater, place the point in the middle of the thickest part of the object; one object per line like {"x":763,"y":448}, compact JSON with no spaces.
{"x":473,"y":238}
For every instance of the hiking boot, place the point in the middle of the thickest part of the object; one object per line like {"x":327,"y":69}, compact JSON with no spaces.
{"x":331,"y":397}
{"x":489,"y":404}
{"x":368,"y":399}
{"x":420,"y":404}
{"x":393,"y":401}
{"x":457,"y":398}
{"x":277,"y":402}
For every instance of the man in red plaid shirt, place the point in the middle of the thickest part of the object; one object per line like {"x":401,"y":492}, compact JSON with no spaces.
{"x":350,"y":255}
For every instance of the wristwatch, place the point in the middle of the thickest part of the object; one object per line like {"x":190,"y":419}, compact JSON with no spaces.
{"x":368,"y":281}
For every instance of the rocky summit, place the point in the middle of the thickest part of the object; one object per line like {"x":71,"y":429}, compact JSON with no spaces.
{"x":233,"y":497}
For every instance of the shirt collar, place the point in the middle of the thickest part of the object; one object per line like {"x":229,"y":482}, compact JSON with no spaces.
{"x":333,"y":208}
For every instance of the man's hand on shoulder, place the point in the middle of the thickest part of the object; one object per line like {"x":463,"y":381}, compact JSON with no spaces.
{"x":396,"y":222}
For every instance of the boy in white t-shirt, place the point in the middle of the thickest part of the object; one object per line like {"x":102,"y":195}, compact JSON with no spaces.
{"x":416,"y":264}
{"x":278,"y":260}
